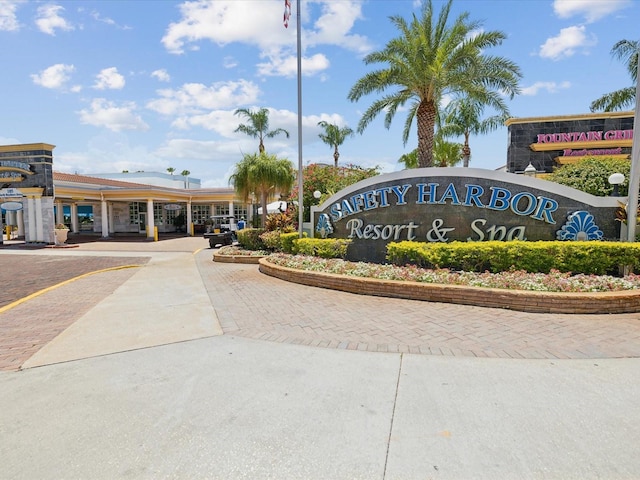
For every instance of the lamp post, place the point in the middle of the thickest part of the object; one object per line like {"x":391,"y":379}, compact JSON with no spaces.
{"x":616,"y":179}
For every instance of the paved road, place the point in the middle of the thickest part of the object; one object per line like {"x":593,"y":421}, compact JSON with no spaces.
{"x":183,"y":368}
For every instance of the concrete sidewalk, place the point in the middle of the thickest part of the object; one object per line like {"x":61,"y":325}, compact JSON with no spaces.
{"x":144,"y":385}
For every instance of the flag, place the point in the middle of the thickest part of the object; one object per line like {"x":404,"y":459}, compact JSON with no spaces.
{"x":287,"y":13}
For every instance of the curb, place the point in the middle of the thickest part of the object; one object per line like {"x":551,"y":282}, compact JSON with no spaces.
{"x":627,"y":301}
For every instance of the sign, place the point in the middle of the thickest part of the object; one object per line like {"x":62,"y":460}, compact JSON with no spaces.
{"x":460,"y":204}
{"x":10,"y":193}
{"x":173,"y":206}
{"x":11,"y":206}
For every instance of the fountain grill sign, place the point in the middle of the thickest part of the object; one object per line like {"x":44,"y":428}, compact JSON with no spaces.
{"x":456,"y":204}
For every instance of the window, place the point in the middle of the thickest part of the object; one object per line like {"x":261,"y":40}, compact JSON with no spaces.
{"x":200,"y":214}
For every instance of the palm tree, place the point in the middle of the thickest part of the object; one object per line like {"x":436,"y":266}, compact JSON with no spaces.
{"x":462,"y":117}
{"x":171,"y":170}
{"x":445,"y":154}
{"x":627,"y":51}
{"x":428,"y":61}
{"x":185,"y":174}
{"x":258,"y":126}
{"x":334,"y":136}
{"x":262,"y":175}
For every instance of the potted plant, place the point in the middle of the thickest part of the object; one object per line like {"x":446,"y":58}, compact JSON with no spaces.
{"x":60,"y":232}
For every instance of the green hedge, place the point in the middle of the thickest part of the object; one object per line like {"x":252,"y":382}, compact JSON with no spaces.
{"x":596,"y":258}
{"x":249,"y":238}
{"x":322,"y":247}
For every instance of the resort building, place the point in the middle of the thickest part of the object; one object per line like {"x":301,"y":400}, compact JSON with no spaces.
{"x":34,"y":199}
{"x":546,"y":143}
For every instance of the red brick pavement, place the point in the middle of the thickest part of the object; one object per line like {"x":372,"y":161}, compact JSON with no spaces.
{"x":250,"y":304}
{"x":31,"y":325}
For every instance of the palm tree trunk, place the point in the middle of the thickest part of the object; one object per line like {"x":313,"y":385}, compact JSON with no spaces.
{"x":426,"y":122}
{"x":466,"y":151}
{"x":336,"y":155}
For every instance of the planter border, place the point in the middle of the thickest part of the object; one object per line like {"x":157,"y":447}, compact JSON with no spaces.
{"x":626,"y":301}
{"x":247,"y":259}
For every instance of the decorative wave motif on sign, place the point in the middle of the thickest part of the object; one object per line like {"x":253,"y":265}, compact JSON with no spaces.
{"x":324,"y":227}
{"x":580,"y":226}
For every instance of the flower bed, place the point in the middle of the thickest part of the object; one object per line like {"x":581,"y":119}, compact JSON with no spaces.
{"x":553,"y":293}
{"x":234,"y":254}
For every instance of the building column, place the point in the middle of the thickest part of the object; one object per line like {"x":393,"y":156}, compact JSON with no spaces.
{"x":232,"y":220}
{"x":39,"y":221}
{"x":75,"y":225}
{"x":189,"y":219}
{"x":150,"y":219}
{"x":59,"y":212}
{"x":20,"y":222}
{"x":104,"y":218}
{"x":112,"y":222}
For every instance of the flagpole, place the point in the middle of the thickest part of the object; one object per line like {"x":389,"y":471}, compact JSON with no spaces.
{"x":299,"y":58}
{"x":634,"y":175}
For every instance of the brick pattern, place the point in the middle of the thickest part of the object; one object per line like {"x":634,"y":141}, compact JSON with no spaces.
{"x":254,"y":305}
{"x":29,"y":326}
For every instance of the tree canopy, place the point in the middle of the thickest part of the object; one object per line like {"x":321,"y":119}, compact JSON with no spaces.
{"x":334,"y":136}
{"x":258,"y":126}
{"x":262,"y":175}
{"x":591,"y":175}
{"x":429,"y":59}
{"x":627,"y":51}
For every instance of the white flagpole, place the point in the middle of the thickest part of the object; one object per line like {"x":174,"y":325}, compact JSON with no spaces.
{"x":299,"y":57}
{"x":634,"y":175}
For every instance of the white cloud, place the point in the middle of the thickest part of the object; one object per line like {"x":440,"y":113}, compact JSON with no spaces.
{"x":8,"y":18}
{"x":335,"y":23}
{"x":592,"y":10}
{"x":49,"y":19}
{"x":566,"y":43}
{"x":109,"y":79}
{"x":55,"y":76}
{"x":223,"y":22}
{"x":260,"y":24}
{"x":551,"y":87}
{"x":103,"y":113}
{"x":288,"y":66}
{"x":161,"y":75}
{"x":229,"y":62}
{"x":107,"y":20}
{"x":196,"y":97}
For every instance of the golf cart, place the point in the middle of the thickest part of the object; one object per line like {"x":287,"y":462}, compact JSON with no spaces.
{"x":221,"y":231}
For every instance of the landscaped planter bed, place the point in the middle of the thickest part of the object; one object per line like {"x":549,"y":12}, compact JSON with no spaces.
{"x":627,"y":301}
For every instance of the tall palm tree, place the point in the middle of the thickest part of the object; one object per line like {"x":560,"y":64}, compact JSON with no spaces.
{"x":462,"y":117}
{"x":171,"y":170}
{"x":627,"y":51}
{"x":261,"y":174}
{"x":429,"y":60}
{"x":185,"y":174}
{"x":334,"y":136}
{"x":258,"y":126}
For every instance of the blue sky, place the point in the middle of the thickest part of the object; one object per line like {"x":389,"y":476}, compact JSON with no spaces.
{"x":146,"y":85}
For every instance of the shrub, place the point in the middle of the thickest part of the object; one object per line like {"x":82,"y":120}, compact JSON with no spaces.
{"x":288,"y":242}
{"x":249,"y":238}
{"x":323,"y":247}
{"x":283,"y":222}
{"x":596,"y":258}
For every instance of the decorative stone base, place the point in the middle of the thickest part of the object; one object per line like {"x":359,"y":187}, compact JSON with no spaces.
{"x":627,"y":301}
